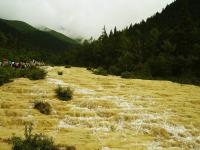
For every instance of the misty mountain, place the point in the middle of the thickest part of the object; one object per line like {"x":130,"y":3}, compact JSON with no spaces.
{"x":59,"y":35}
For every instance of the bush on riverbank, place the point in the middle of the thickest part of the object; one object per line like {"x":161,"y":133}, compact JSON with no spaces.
{"x":36,"y":142}
{"x":33,"y":73}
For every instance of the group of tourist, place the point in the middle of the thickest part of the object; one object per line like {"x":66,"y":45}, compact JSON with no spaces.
{"x":22,"y":65}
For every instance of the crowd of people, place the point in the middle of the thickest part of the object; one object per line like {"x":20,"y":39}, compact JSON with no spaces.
{"x":22,"y":65}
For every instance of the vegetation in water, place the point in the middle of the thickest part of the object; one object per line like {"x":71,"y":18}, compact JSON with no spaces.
{"x":8,"y":73}
{"x":36,"y":141}
{"x":43,"y":107}
{"x":64,"y":93}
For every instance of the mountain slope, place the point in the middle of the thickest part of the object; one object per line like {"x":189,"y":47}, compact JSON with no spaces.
{"x":19,"y":25}
{"x":18,"y":34}
{"x":62,"y":37}
{"x":21,"y":41}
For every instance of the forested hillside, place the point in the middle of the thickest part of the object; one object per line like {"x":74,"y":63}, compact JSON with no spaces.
{"x":19,"y":40}
{"x":166,"y":45}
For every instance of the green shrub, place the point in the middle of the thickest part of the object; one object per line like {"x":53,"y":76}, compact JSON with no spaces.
{"x":36,"y":74}
{"x":89,"y":68}
{"x":127,"y":75}
{"x":5,"y":76}
{"x":64,"y":93}
{"x":60,"y":73}
{"x":8,"y":73}
{"x":70,"y":148}
{"x":64,"y":147}
{"x":19,"y":73}
{"x":36,"y":142}
{"x":32,"y":142}
{"x":114,"y":70}
{"x":68,"y":66}
{"x":43,"y":107}
{"x":100,"y":71}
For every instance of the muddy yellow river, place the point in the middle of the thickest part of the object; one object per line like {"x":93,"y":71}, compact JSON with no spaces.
{"x":106,"y":112}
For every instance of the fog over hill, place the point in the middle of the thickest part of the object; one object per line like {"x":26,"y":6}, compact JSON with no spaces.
{"x":83,"y":18}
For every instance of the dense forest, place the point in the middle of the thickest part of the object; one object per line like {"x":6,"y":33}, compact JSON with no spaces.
{"x":165,"y":46}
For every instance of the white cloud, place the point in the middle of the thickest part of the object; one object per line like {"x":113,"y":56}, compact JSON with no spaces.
{"x":80,"y":17}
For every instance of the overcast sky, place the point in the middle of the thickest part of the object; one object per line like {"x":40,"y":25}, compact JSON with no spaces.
{"x":84,"y":18}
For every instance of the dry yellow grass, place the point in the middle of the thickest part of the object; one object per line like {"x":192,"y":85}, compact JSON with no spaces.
{"x":106,"y":113}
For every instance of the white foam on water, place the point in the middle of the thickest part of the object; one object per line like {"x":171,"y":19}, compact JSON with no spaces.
{"x":102,"y":129}
{"x":78,"y":89}
{"x":120,"y":125}
{"x":54,"y":112}
{"x":31,"y":106}
{"x":88,"y":118}
{"x":145,"y":121}
{"x":92,"y":123}
{"x":84,"y":91}
{"x":64,"y":125}
{"x":30,"y":116}
{"x":143,"y":124}
{"x":154,"y":146}
{"x":123,"y":104}
{"x":181,"y":134}
{"x":82,"y":109}
{"x":119,"y":101}
{"x":106,"y":148}
{"x":100,"y":88}
{"x":136,"y":97}
{"x":48,"y":68}
{"x":138,"y":125}
{"x":177,"y":132}
{"x":150,"y":117}
{"x":109,"y":97}
{"x":55,"y":81}
{"x":126,"y":105}
{"x":174,"y":129}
